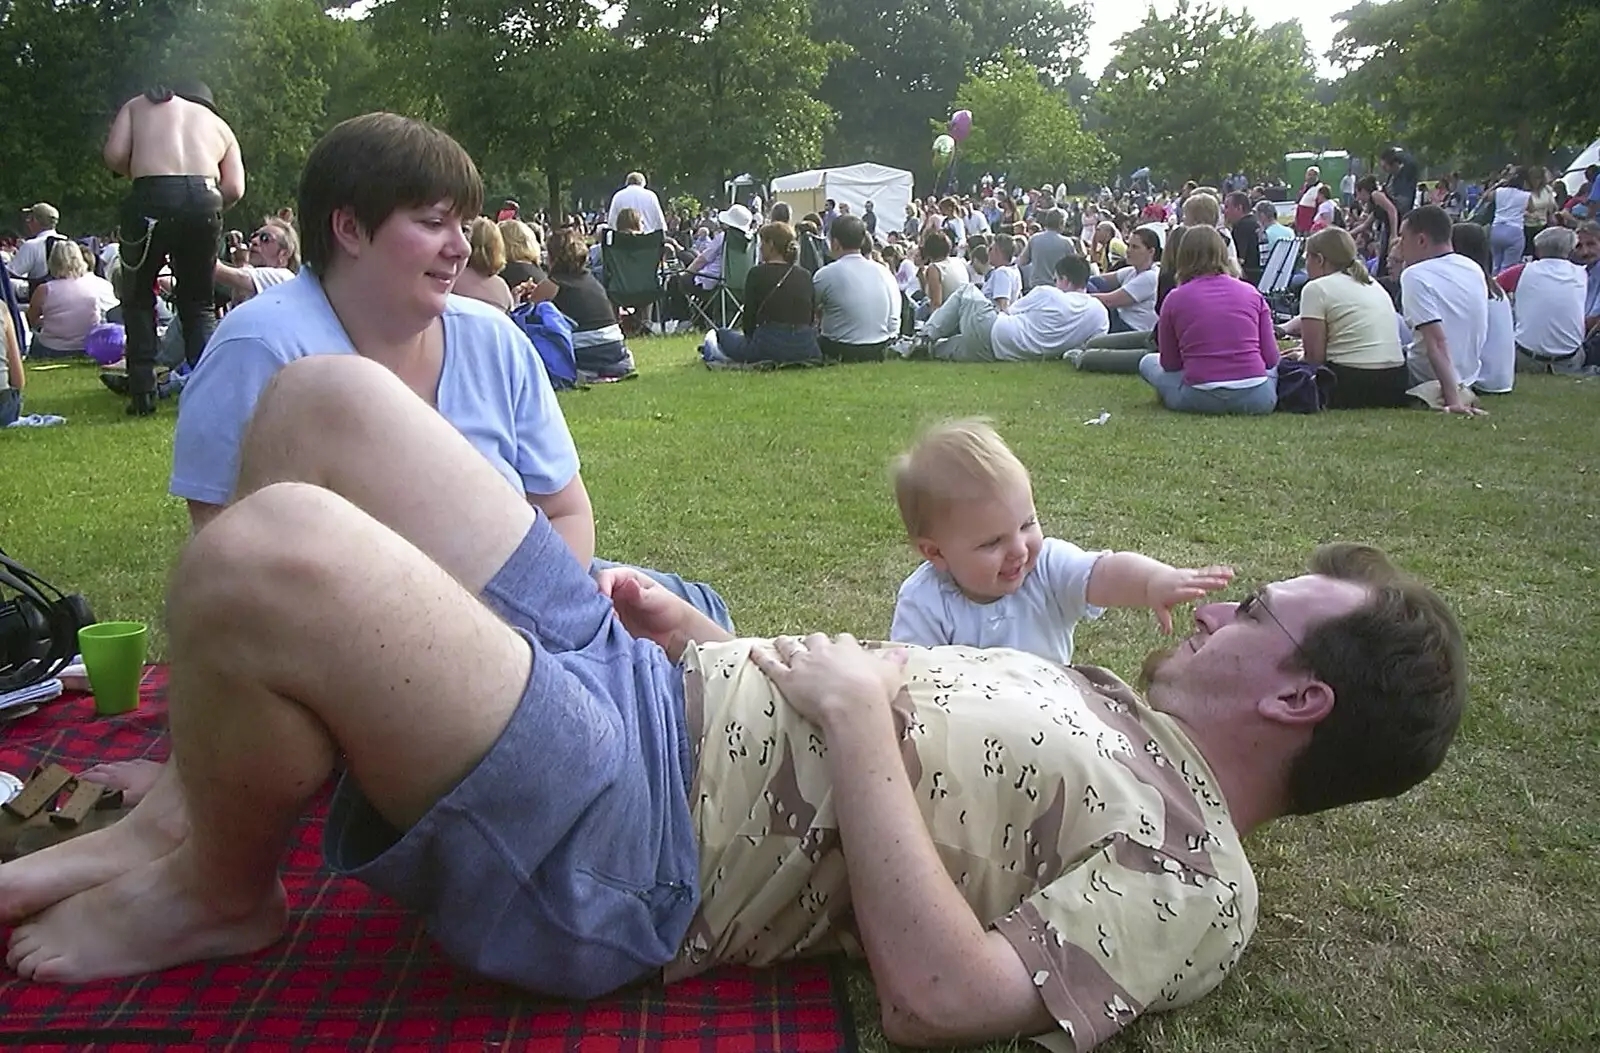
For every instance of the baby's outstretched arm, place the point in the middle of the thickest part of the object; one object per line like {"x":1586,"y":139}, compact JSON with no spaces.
{"x":1128,"y":579}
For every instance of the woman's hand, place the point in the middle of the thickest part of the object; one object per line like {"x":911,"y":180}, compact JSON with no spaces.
{"x":824,"y":679}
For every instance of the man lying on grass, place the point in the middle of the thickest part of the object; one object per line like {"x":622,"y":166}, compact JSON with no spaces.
{"x":578,"y":791}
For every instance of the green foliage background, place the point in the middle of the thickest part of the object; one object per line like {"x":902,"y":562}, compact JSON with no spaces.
{"x":557,"y":99}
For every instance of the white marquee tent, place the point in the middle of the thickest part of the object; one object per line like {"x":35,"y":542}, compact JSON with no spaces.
{"x":889,"y":190}
{"x":1573,"y":178}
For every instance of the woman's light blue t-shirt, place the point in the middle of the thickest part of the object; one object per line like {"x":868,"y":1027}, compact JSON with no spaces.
{"x":493,"y":388}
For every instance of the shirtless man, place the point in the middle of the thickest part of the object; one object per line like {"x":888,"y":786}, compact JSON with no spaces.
{"x":185,"y":165}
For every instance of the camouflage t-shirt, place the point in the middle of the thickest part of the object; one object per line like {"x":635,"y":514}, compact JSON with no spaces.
{"x":1077,"y":822}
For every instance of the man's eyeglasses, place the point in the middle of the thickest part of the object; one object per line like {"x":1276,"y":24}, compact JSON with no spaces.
{"x":262,"y":237}
{"x":1257,"y":602}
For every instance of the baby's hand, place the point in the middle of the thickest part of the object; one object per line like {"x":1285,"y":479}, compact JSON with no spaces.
{"x":1175,"y":585}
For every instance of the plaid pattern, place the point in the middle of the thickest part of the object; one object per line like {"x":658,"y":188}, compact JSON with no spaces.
{"x":354,"y":971}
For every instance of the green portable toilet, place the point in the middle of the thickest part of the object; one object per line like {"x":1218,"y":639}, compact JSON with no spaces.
{"x":1333,"y":164}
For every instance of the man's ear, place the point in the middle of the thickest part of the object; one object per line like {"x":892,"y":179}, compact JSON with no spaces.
{"x":1306,"y":705}
{"x":347,"y":232}
{"x":929,"y":549}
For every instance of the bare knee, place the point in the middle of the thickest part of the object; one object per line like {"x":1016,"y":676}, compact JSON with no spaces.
{"x":325,"y":389}
{"x":251,"y":569}
{"x":310,"y":410}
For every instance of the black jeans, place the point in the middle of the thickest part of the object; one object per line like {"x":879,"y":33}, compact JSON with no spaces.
{"x":174,"y":220}
{"x":834,"y":351}
{"x":1369,"y":388}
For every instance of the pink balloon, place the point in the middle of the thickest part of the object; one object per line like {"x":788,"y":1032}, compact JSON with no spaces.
{"x":961,"y":125}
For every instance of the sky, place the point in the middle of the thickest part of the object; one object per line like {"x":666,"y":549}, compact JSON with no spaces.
{"x":1112,"y":18}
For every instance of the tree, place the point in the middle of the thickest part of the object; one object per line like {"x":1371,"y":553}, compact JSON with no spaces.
{"x":65,"y":67}
{"x":272,"y":65}
{"x":1476,"y":77}
{"x":524,"y":87}
{"x":1363,"y":128}
{"x":905,"y":60}
{"x":728,"y":86}
{"x":1025,"y":129}
{"x":1206,"y":92}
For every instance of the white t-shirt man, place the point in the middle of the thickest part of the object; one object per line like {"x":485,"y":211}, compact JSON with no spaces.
{"x":1347,"y":186}
{"x":32,"y":261}
{"x":1039,"y":617}
{"x":1140,"y":316}
{"x":858,"y":301}
{"x":642,"y":199}
{"x":977,"y":222}
{"x":1448,"y":290}
{"x":263,"y":278}
{"x":1549,"y":308}
{"x":1047,"y":322}
{"x":1497,"y":361}
{"x":1003,"y":283}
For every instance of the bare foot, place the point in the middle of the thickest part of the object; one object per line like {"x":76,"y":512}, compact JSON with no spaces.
{"x":34,"y":882}
{"x":134,"y":778}
{"x":151,"y":918}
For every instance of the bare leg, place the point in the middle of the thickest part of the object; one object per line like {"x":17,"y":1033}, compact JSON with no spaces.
{"x":299,"y":626}
{"x":351,"y":426}
{"x":155,"y":827}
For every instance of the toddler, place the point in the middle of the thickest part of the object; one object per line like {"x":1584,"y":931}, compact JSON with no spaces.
{"x":992,"y":579}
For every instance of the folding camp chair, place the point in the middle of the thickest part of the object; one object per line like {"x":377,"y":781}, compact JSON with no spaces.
{"x":632,"y":267}
{"x":1276,"y":275}
{"x":724,"y":304}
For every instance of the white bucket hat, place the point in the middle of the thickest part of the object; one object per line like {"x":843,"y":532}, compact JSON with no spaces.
{"x":737,"y":216}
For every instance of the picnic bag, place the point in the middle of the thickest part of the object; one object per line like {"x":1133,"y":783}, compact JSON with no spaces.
{"x":551,"y":334}
{"x":1303,"y":387}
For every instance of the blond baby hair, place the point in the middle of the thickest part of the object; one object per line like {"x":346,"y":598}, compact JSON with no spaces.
{"x":955,"y":461}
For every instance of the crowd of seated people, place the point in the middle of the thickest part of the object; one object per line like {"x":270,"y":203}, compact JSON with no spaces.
{"x":811,"y":295}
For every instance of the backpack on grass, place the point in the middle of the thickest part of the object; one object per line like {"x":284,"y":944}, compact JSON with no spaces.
{"x":551,"y":333}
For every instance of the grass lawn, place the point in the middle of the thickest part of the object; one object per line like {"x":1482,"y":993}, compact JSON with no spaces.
{"x":1463,"y":917}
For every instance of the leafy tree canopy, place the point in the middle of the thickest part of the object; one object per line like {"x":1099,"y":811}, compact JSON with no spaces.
{"x":1026,"y":129}
{"x":1206,"y":91}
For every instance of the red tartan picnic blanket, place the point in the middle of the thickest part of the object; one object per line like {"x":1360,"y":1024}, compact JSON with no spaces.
{"x":356,"y":972}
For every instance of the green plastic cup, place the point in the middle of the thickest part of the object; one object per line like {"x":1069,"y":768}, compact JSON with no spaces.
{"x":113,"y":654}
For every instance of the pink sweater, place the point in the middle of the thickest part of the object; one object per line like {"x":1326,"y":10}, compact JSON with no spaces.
{"x":1216,"y":328}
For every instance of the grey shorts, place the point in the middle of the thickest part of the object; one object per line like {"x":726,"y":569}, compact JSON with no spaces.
{"x":566,"y":861}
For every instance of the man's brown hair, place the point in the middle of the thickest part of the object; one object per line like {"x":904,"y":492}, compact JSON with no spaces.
{"x":375,"y":165}
{"x":1399,"y":678}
